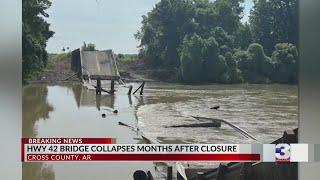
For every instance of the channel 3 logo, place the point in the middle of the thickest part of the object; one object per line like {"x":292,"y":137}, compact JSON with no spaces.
{"x":283,"y":152}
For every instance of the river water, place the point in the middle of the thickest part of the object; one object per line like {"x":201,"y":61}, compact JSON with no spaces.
{"x":71,"y":110}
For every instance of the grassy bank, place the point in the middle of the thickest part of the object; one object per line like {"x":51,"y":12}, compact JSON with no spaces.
{"x":58,"y":69}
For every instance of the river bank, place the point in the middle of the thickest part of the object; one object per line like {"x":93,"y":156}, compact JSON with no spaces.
{"x":59,"y":70}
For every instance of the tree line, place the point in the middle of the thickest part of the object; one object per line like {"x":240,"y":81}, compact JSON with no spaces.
{"x":205,"y":41}
{"x":35,"y":33}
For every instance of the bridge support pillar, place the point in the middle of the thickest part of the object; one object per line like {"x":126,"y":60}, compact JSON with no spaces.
{"x":112,"y":87}
{"x":98,"y":88}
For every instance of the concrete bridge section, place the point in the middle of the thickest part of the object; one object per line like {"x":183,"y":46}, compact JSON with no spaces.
{"x":98,"y":65}
{"x":95,"y":64}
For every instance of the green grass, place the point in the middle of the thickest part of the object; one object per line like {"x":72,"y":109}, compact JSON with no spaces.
{"x":55,"y":58}
{"x":127,"y":57}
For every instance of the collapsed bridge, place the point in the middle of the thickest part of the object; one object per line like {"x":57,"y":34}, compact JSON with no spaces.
{"x":95,"y":65}
{"x":98,"y":65}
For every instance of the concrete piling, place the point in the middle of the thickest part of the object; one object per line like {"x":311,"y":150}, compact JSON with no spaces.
{"x":98,"y":88}
{"x":112,"y":87}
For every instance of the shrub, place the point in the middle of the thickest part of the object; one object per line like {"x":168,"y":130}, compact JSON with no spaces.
{"x":256,"y":67}
{"x":285,"y":59}
{"x":191,"y":58}
{"x":88,"y":47}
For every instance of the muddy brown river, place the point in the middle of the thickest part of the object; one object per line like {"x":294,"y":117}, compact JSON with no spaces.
{"x":71,"y":110}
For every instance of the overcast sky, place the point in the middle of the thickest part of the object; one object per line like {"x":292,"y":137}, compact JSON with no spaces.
{"x":109,"y":24}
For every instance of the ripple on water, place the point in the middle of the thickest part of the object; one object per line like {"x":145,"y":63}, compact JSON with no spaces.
{"x":264,"y":111}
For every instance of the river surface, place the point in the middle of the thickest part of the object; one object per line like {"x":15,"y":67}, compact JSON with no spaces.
{"x":70,"y":110}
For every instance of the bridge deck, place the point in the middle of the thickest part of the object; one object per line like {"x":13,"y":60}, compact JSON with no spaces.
{"x":99,"y":64}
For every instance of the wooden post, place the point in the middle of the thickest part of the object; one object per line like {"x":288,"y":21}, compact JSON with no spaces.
{"x":98,"y":102}
{"x":130,"y":100}
{"x":98,"y":88}
{"x":169,"y":173}
{"x":130,"y":89}
{"x":112,"y":87}
{"x":142,"y":86}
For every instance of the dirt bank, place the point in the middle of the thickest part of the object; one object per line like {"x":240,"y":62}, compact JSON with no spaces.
{"x":58,"y":70}
{"x":137,"y":70}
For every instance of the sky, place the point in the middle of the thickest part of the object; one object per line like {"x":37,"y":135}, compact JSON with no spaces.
{"x":109,"y":24}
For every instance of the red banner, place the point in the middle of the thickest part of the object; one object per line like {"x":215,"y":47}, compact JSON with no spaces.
{"x":143,"y":157}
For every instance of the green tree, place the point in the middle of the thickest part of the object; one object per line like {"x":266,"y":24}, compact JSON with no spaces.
{"x":243,"y":37}
{"x":229,"y":14}
{"x":261,"y":22}
{"x":191,"y":58}
{"x":163,"y":30}
{"x":233,"y":71}
{"x":274,"y":21}
{"x":35,"y":33}
{"x":200,"y":60}
{"x":214,"y":64}
{"x":224,"y":40}
{"x":206,"y":41}
{"x":256,"y":67}
{"x":88,"y":47}
{"x":285,"y":59}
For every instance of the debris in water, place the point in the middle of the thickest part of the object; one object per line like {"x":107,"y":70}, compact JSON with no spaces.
{"x":215,"y":107}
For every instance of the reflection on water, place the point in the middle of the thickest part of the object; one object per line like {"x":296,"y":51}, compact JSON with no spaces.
{"x":35,"y":106}
{"x":37,"y":170}
{"x":86,"y":98}
{"x":73,"y":111}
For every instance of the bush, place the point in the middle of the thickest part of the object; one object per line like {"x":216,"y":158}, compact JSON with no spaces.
{"x":88,"y":47}
{"x":234,"y":73}
{"x":200,"y":60}
{"x":212,"y":62}
{"x":285,"y":59}
{"x":256,"y":67}
{"x":191,"y":58}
